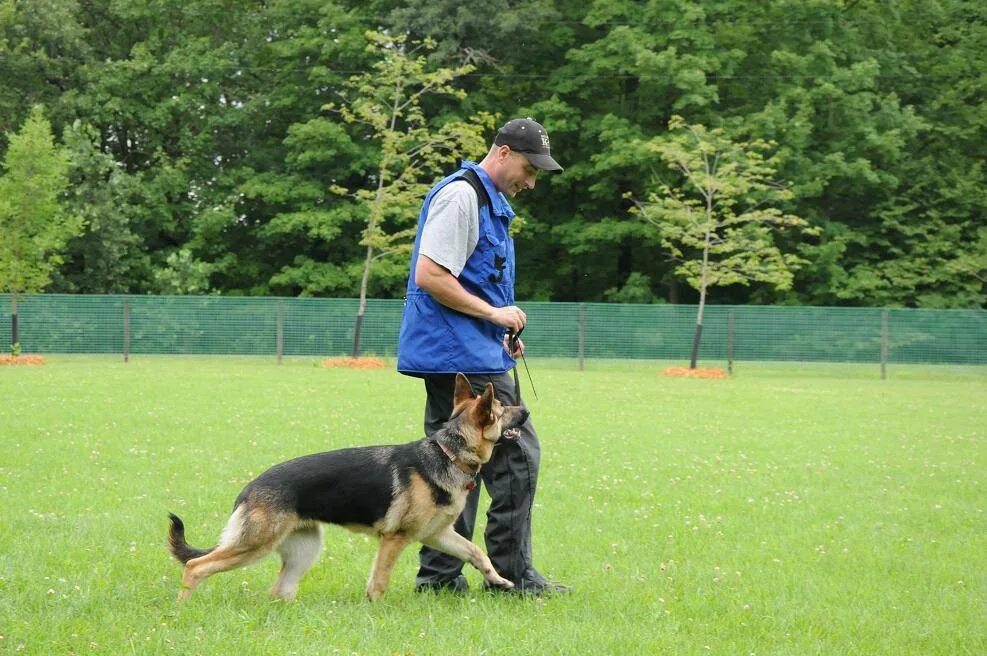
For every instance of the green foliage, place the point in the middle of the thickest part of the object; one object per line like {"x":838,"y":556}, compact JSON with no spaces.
{"x":637,"y":289}
{"x":32,"y":221}
{"x":477,"y":35}
{"x":719,"y":216}
{"x":109,"y":255}
{"x":204,"y":130}
{"x":183,"y":274}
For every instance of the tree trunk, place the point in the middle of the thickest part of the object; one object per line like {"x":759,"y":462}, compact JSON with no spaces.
{"x":371,"y":226}
{"x":356,"y":334}
{"x":695,"y":345}
{"x":14,"y":328}
{"x":708,"y":193}
{"x":699,"y":324}
{"x":363,"y":302}
{"x":702,"y":306}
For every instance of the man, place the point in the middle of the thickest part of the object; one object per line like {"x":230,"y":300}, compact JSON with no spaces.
{"x":459,"y":316}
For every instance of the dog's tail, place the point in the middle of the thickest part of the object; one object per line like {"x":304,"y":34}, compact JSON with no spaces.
{"x":177,"y":545}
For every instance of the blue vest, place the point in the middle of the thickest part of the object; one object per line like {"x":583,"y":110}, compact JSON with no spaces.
{"x":435,"y":339}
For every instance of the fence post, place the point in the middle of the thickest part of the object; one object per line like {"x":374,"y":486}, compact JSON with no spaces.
{"x":280,"y":337}
{"x":730,"y":342}
{"x":884,"y":344}
{"x":126,"y":330}
{"x":582,"y":334}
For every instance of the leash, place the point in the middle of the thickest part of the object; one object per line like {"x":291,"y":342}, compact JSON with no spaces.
{"x":512,"y":342}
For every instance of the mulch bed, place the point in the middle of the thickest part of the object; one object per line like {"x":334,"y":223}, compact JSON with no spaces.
{"x":21,"y":359}
{"x":354,"y":363}
{"x":685,"y":372}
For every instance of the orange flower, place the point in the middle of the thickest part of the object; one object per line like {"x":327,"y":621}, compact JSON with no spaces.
{"x":684,"y":372}
{"x":21,"y":359}
{"x":354,"y":363}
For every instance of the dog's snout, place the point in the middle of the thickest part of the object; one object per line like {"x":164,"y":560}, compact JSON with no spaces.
{"x":512,"y":420}
{"x":518,"y":417}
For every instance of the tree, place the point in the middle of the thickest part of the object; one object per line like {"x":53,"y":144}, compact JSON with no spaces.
{"x":207,"y":135}
{"x":109,"y":256}
{"x":33,"y":226}
{"x":386,"y":104}
{"x":719,"y":220}
{"x":42,"y":48}
{"x":183,"y":275}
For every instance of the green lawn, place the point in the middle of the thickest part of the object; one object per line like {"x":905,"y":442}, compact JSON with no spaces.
{"x":784,"y":511}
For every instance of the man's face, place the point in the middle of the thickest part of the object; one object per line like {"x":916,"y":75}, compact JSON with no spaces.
{"x":518,"y":174}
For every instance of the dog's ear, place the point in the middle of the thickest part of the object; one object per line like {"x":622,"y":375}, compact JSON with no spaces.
{"x":484,"y":406}
{"x":464,"y":391}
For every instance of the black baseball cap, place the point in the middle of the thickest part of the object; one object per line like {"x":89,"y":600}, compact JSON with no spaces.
{"x":528,"y":137}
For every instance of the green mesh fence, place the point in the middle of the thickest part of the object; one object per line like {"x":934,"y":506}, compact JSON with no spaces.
{"x":52,"y":323}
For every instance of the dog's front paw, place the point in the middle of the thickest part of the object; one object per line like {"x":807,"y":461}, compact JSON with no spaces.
{"x":501,"y":583}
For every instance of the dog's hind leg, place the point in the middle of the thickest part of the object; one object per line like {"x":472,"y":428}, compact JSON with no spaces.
{"x":220,"y":560}
{"x":390,"y":548}
{"x":452,"y":543}
{"x":249,"y":536}
{"x":299,"y":550}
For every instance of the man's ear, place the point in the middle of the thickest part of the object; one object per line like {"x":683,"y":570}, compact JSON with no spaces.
{"x":464,"y":391}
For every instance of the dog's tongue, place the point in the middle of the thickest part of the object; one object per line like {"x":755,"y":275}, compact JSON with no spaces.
{"x":512,"y":433}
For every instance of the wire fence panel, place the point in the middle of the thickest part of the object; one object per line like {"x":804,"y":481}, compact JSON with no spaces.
{"x":58,"y":323}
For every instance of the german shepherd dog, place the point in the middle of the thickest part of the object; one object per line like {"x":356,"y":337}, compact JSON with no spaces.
{"x":401,"y":494}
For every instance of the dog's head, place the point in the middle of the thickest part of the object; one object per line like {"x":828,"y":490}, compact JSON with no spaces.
{"x":483,"y":418}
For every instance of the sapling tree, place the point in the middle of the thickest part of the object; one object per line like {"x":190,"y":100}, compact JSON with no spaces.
{"x":718,"y":214}
{"x":387,"y":105}
{"x":33,"y":227}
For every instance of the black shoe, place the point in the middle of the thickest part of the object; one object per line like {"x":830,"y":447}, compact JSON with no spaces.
{"x":533,"y":584}
{"x":457,"y":585}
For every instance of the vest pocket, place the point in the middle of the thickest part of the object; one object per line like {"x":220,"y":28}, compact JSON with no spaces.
{"x":497,"y":263}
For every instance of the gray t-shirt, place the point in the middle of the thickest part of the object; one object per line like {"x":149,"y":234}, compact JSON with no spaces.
{"x":452,"y":227}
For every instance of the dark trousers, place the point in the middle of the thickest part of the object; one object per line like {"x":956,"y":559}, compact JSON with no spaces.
{"x":510,"y":478}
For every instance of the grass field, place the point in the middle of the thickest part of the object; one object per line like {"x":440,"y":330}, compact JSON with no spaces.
{"x":784,"y":511}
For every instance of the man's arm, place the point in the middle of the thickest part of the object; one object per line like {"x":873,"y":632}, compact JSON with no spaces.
{"x":447,"y":290}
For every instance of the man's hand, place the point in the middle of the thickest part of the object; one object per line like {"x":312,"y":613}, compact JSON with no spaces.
{"x":447,"y":290}
{"x":511,"y":317}
{"x":519,"y":347}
